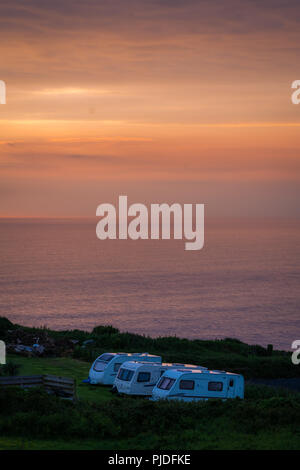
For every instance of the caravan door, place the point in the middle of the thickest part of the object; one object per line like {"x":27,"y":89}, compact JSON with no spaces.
{"x":144,"y":382}
{"x":231,"y":387}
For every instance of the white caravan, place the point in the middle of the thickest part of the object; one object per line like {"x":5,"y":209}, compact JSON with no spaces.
{"x":139,"y":378}
{"x":105,"y":368}
{"x":195,"y":385}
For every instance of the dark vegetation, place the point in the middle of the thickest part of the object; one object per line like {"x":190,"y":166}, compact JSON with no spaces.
{"x":253,"y":361}
{"x":268,"y":418}
{"x":9,"y":369}
{"x":160,"y":425}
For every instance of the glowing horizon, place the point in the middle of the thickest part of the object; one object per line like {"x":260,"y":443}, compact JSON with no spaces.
{"x":195,"y":95}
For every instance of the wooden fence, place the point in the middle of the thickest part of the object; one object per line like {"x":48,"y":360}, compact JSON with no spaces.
{"x":64,"y":387}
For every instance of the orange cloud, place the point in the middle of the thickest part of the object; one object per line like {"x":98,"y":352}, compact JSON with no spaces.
{"x":176,"y":92}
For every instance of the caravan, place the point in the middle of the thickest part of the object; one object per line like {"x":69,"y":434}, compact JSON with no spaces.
{"x":139,"y":378}
{"x":105,"y":368}
{"x":195,"y":385}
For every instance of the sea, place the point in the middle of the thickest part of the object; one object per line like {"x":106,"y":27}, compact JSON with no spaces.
{"x":244,"y":283}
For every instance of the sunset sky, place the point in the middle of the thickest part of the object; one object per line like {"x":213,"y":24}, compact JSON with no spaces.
{"x":162,"y":100}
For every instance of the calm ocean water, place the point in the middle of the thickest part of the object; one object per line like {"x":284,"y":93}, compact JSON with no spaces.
{"x":243,"y":284}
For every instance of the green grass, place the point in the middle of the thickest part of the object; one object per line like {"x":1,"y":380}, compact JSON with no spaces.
{"x":253,"y":361}
{"x":87,"y":444}
{"x":18,"y":443}
{"x":65,"y":367}
{"x":265,"y":420}
{"x":192,"y":440}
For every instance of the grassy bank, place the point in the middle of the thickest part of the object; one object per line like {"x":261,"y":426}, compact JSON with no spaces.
{"x":32,"y":419}
{"x":66,"y":367}
{"x":253,"y":361}
{"x":268,"y":418}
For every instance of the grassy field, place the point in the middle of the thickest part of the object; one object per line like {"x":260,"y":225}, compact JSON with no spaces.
{"x":267,"y":423}
{"x":66,"y":367}
{"x":253,"y":361}
{"x":268,"y":418}
{"x":283,"y":440}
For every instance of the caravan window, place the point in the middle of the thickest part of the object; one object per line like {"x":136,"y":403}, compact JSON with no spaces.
{"x":143,"y":377}
{"x":117,"y":366}
{"x":186,"y":385}
{"x":165,"y":383}
{"x":105,"y":357}
{"x":125,"y":374}
{"x":102,"y":362}
{"x":215,"y":386}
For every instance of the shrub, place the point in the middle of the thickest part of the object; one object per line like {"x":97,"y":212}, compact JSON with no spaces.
{"x":10,"y":368}
{"x":34,"y":413}
{"x":5,"y":325}
{"x":104,"y":330}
